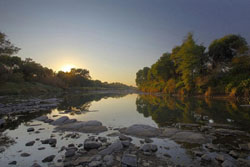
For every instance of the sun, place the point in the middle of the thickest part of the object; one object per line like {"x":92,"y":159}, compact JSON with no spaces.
{"x":67,"y":68}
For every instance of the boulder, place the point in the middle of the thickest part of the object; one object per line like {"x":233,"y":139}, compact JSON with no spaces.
{"x":149,"y":148}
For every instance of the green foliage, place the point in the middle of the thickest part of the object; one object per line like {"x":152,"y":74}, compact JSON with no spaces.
{"x":187,"y":70}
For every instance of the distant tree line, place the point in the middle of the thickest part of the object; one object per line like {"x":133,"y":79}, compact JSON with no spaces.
{"x":191,"y":68}
{"x":14,"y":69}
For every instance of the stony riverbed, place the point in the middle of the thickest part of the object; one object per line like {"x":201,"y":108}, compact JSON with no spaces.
{"x":61,"y":138}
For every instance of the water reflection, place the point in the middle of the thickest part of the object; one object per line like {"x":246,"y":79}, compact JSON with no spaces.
{"x":166,"y":110}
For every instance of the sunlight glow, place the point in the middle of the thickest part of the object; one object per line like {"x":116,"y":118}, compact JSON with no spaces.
{"x":67,"y":68}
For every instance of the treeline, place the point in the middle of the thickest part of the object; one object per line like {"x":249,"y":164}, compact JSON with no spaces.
{"x":15,"y":70}
{"x":221,"y":69}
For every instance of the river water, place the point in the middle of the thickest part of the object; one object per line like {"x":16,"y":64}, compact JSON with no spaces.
{"x":118,"y":111}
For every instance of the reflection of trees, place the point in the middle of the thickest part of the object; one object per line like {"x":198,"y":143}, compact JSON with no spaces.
{"x":83,"y":101}
{"x":166,"y":110}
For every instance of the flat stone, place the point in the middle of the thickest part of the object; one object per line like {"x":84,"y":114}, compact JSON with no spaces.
{"x":84,"y":127}
{"x":233,"y":153}
{"x":190,"y":137}
{"x":140,"y":130}
{"x":129,"y":160}
{"x":42,"y":118}
{"x":60,"y":120}
{"x":123,"y":137}
{"x":220,"y":157}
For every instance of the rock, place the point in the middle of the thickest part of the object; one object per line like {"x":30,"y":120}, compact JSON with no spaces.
{"x":206,"y":158}
{"x":70,"y":121}
{"x":123,"y":137}
{"x":82,"y":160}
{"x":229,"y":132}
{"x":41,"y":148}
{"x":49,"y":158}
{"x":114,"y":147}
{"x":244,"y":147}
{"x":220,"y":158}
{"x":140,"y":130}
{"x":211,"y":146}
{"x":2,"y":122}
{"x":149,"y":148}
{"x":42,"y":118}
{"x":35,"y":165}
{"x":190,"y":137}
{"x":60,"y":120}
{"x":84,"y":127}
{"x":148,"y":140}
{"x":126,"y":143}
{"x":70,"y":153}
{"x":102,"y":139}
{"x":48,"y":120}
{"x":243,"y":162}
{"x":2,"y":149}
{"x":49,"y":141}
{"x":31,"y":143}
{"x":108,"y":159}
{"x":25,"y":155}
{"x":30,"y":129}
{"x":13,"y":163}
{"x":233,"y":154}
{"x":129,"y":160}
{"x":88,"y":145}
{"x":227,"y":163}
{"x":95,"y":164}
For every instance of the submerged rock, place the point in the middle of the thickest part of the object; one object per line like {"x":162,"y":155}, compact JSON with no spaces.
{"x":60,"y":120}
{"x":25,"y":155}
{"x":30,"y":129}
{"x":140,"y":130}
{"x":190,"y":137}
{"x":84,"y":127}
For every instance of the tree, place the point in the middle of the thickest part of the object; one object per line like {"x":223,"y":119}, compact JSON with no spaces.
{"x":188,"y":60}
{"x":221,"y":51}
{"x":141,"y":76}
{"x":6,"y":47}
{"x":163,"y":69}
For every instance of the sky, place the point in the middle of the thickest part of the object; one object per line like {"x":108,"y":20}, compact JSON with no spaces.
{"x":113,"y":39}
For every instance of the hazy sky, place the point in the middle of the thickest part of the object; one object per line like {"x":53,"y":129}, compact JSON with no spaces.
{"x":113,"y":39}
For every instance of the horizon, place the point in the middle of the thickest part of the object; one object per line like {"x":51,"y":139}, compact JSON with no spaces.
{"x":114,"y":39}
